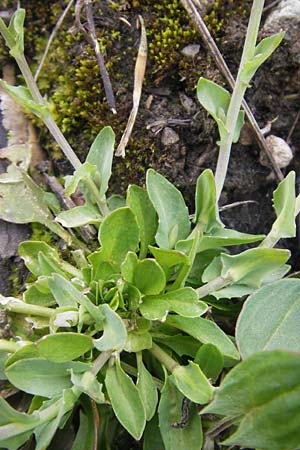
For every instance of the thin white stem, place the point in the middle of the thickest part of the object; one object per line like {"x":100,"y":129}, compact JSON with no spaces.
{"x":100,"y":361}
{"x":212,"y":286}
{"x":238,"y":94}
{"x":48,"y":120}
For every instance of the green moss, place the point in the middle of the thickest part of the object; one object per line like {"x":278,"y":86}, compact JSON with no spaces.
{"x":41,"y":233}
{"x":218,"y":20}
{"x":14,"y":281}
{"x":168,"y":30}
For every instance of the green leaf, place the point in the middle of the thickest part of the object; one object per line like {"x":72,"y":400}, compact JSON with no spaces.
{"x":210,"y":360}
{"x":152,"y":439}
{"x":64,"y":347}
{"x":234,"y":291}
{"x":249,"y":268}
{"x":38,"y":376}
{"x":66,"y":294}
{"x":18,"y":154}
{"x":22,"y":191}
{"x":87,"y":382}
{"x":206,"y":215}
{"x":101,"y":270}
{"x":262,"y":52}
{"x":284,"y":201}
{"x":173,"y":215}
{"x":201,"y":261}
{"x":25,"y":352}
{"x":183,"y":301}
{"x":139,"y":202}
{"x":37,"y":296}
{"x":264,"y":392}
{"x":15,"y":427}
{"x":114,"y":334}
{"x":136,"y":342}
{"x":171,"y":413}
{"x":79,"y":216}
{"x":168,"y":258}
{"x":60,"y":291}
{"x":146,"y":388}
{"x":219,"y":237}
{"x":46,"y":431}
{"x":85,"y":172}
{"x":128,"y":266}
{"x":125,"y":400}
{"x":192,"y":383}
{"x":16,"y":33}
{"x":216,"y":101}
{"x":85,"y":434}
{"x":115,"y":201}
{"x":29,"y":252}
{"x":270,"y":319}
{"x":206,"y":332}
{"x":118,"y":234}
{"x":149,"y":277}
{"x":22,"y":95}
{"x":101,"y":155}
{"x":180,"y":344}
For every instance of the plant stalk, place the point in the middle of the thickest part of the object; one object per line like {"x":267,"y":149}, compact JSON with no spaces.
{"x":212,"y":286}
{"x":238,"y":94}
{"x":18,"y":306}
{"x":49,"y":121}
{"x":100,"y":361}
{"x":163,"y":357}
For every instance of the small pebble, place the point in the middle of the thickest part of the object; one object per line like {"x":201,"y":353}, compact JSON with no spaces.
{"x":190,"y":51}
{"x":280,"y":150}
{"x":169,"y":136}
{"x":187,"y":103}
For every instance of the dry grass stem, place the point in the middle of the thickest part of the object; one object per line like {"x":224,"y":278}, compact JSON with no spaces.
{"x":139,"y":74}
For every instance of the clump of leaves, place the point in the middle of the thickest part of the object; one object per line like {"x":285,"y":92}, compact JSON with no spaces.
{"x":126,"y":334}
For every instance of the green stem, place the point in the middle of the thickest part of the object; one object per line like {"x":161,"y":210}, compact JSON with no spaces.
{"x":134,"y":372}
{"x":212,"y":286}
{"x":238,"y":95}
{"x":163,"y":357}
{"x":49,"y":121}
{"x":186,"y":268}
{"x":18,"y":306}
{"x":71,"y":270}
{"x":270,"y":241}
{"x":54,"y":129}
{"x":100,"y":361}
{"x":95,"y":192}
{"x":62,"y":142}
{"x":66,"y":236}
{"x":49,"y":413}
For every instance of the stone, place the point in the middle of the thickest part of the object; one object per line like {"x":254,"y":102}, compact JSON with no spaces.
{"x":280,"y":150}
{"x":286,"y":17}
{"x":169,"y":137}
{"x":187,"y":103}
{"x":190,"y":51}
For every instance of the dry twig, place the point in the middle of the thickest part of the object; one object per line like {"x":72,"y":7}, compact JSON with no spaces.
{"x":191,"y":8}
{"x":296,"y":120}
{"x":139,"y":74}
{"x":91,"y":38}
